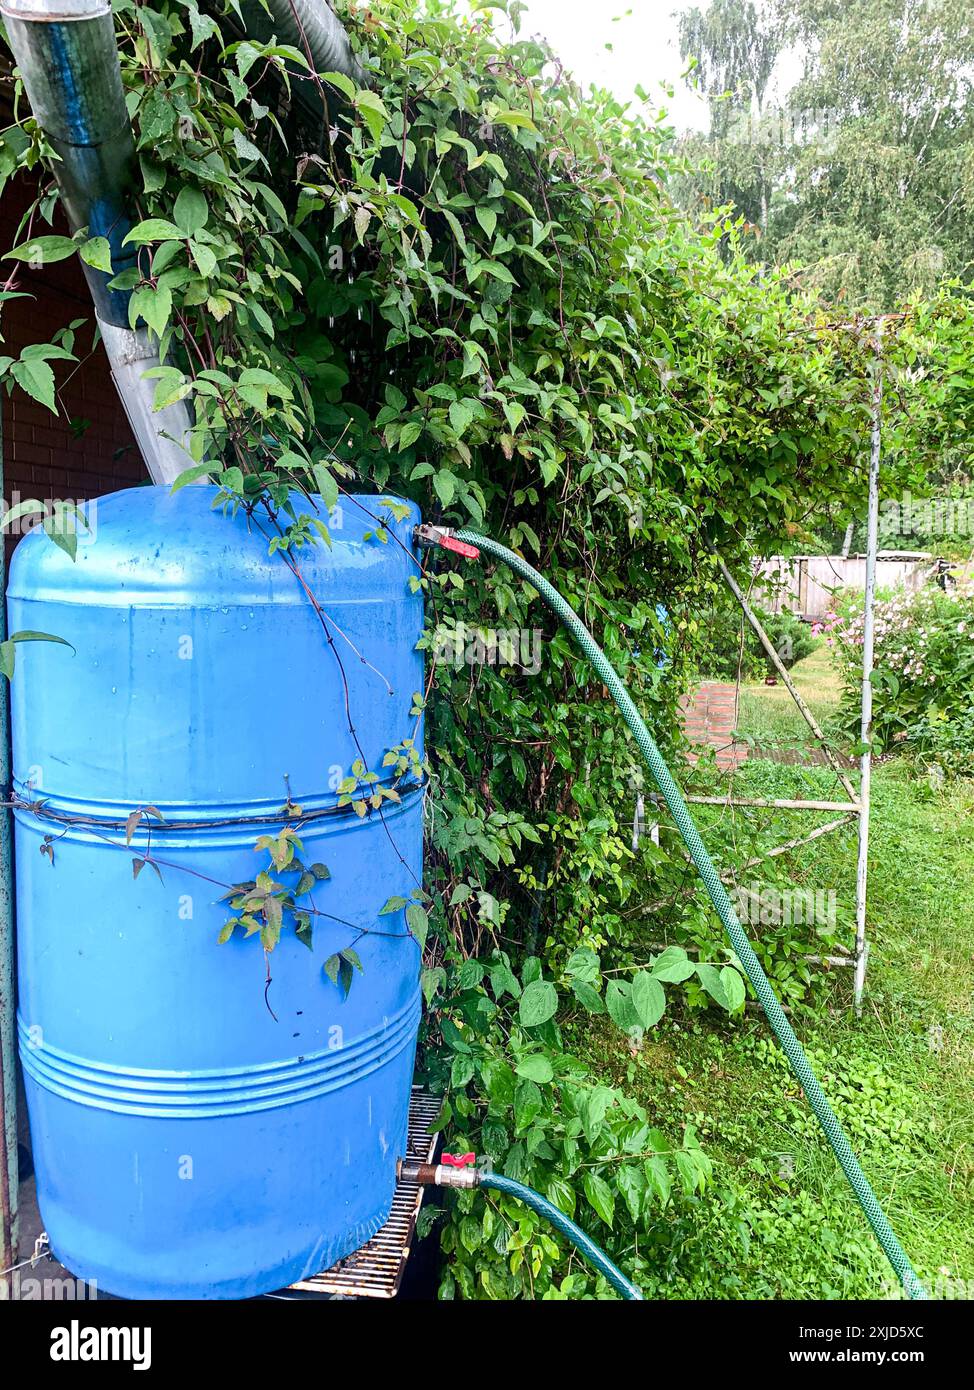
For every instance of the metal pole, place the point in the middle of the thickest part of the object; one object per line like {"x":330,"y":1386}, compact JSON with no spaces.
{"x":9,"y":1175}
{"x":868,"y":647}
{"x":776,"y":804}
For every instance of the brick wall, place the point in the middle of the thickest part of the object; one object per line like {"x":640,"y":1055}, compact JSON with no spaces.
{"x":710,"y":717}
{"x":86,"y":449}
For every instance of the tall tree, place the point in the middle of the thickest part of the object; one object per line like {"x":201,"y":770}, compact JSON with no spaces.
{"x":885,"y":209}
{"x":866,"y":180}
{"x":735,"y":45}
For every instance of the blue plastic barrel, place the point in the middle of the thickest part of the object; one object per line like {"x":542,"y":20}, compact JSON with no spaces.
{"x":198,"y":1131}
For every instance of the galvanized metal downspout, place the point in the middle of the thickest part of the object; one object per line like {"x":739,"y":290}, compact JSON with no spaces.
{"x":68,"y":61}
{"x":314,"y":29}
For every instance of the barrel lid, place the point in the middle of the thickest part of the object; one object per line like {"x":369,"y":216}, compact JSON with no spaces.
{"x":150,"y":547}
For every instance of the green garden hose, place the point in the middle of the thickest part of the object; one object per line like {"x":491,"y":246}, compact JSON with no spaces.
{"x":782,"y":1029}
{"x":584,"y":1244}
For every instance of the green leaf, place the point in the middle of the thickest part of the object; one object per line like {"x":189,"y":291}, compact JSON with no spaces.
{"x":673,"y":966}
{"x":206,"y":261}
{"x":326,"y":485}
{"x":528,"y":1104}
{"x":462,"y":1070}
{"x":631,"y":1183}
{"x":410,"y":433}
{"x":536,"y":1068}
{"x":461,"y":414}
{"x":689,"y":1174}
{"x":592,"y":1110}
{"x":709,"y":977}
{"x":62,"y":532}
{"x":29,"y":635}
{"x":648,"y":999}
{"x":153,"y":229}
{"x":562,"y":1194}
{"x":246,"y":149}
{"x":588,"y":996}
{"x":219,"y":306}
{"x":43,"y":250}
{"x":304,"y":929}
{"x":373,"y":111}
{"x":445,"y":486}
{"x":157,"y":117}
{"x":153,"y":305}
{"x":203,"y":27}
{"x":538,"y":1003}
{"x":363,"y":216}
{"x":97,"y":253}
{"x":190,"y":475}
{"x":456,"y":228}
{"x":418,"y":923}
{"x":29,"y":507}
{"x":584,"y":964}
{"x":37,"y":379}
{"x":342,"y":81}
{"x":599,"y":1196}
{"x":658,"y":1178}
{"x":618,"y":1001}
{"x":733,"y":988}
{"x":487,"y":219}
{"x":432,"y":981}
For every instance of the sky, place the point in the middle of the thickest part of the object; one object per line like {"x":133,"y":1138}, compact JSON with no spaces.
{"x":643,"y":50}
{"x":622,"y":44}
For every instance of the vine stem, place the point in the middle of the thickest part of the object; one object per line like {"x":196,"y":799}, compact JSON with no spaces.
{"x":324,"y":620}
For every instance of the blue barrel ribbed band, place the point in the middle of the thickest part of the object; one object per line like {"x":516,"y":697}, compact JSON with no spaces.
{"x":209,"y":1094}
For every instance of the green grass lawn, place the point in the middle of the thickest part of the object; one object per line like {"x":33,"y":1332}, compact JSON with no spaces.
{"x":769,"y":715}
{"x":779,"y":1221}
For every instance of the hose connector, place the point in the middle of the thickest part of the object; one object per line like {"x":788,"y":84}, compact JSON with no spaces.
{"x":449,"y":1173}
{"x":442,"y":536}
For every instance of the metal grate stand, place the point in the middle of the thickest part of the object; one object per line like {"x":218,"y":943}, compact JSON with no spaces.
{"x":376,"y":1270}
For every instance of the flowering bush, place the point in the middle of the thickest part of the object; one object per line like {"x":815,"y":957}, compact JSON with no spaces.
{"x":924,"y":662}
